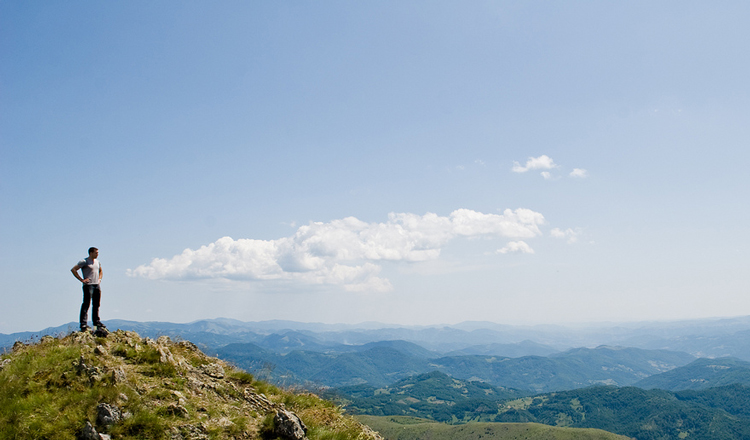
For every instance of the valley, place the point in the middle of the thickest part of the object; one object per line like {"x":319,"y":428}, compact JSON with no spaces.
{"x":674,"y":381}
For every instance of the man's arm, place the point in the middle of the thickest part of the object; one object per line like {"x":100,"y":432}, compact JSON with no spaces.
{"x":78,"y":277}
{"x":100,"y":274}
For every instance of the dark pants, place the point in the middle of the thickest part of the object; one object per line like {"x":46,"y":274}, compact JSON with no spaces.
{"x":91,"y":293}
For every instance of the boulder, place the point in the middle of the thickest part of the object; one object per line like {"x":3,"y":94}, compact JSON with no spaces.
{"x":89,"y":433}
{"x":107,"y":415}
{"x":289,"y":426}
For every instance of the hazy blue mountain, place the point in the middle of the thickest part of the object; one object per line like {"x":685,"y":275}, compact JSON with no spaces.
{"x":735,"y":344}
{"x":295,"y":340}
{"x":523,"y":348}
{"x":377,"y":365}
{"x":382,"y":364}
{"x":572,"y":369}
{"x":7,"y":341}
{"x":702,"y":338}
{"x":405,"y":347}
{"x":700,"y":374}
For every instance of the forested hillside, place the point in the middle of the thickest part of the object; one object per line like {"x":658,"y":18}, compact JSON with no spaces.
{"x":700,"y":374}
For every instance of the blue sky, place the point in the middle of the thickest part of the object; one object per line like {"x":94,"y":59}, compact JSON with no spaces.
{"x":402,"y":162}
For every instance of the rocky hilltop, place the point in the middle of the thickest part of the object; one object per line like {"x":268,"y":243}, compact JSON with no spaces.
{"x":123,"y":386}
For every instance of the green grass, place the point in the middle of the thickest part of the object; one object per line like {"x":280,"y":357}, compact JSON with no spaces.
{"x":46,"y":394}
{"x":29,"y":407}
{"x":411,"y":428}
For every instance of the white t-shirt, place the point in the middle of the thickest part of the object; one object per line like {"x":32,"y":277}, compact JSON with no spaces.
{"x":90,"y":270}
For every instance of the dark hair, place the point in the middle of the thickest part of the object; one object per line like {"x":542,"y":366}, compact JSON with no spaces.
{"x":92,"y":249}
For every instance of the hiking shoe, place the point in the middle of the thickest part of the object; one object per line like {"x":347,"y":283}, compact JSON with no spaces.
{"x":100,"y":325}
{"x":85,"y":328}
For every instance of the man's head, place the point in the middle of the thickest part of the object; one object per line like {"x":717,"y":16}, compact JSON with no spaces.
{"x":93,"y":252}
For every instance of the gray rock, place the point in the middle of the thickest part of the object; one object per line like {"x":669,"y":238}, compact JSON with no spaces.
{"x":89,"y":433}
{"x":107,"y":415}
{"x":81,"y":366}
{"x":177,"y":410}
{"x":195,"y":384}
{"x":95,"y":374}
{"x":258,"y":401}
{"x":189,"y":432}
{"x":4,"y":363}
{"x":118,"y":375}
{"x":165,"y":356}
{"x":213,"y":370}
{"x":288,"y":425}
{"x":189,"y":345}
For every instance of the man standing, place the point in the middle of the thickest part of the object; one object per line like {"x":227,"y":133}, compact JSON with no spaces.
{"x":92,"y":277}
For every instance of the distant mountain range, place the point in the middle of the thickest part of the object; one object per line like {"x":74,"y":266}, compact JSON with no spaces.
{"x":701,"y":338}
{"x":380,"y":364}
{"x":524,"y":358}
{"x":639,"y":380}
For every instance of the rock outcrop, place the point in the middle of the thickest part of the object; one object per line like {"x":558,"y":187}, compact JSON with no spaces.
{"x":137,"y":387}
{"x":289,"y":426}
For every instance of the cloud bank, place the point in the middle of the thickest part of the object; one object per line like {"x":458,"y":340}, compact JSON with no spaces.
{"x":343,"y":252}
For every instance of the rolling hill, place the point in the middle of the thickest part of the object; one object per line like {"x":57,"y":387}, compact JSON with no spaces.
{"x":641,"y":414}
{"x":434,"y":396}
{"x":410,"y":428}
{"x":382,"y":365}
{"x":700,"y":374}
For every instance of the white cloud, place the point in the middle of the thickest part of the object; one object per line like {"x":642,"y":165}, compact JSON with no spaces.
{"x":344,"y":251}
{"x":579,"y":172}
{"x":516,"y":247}
{"x":570,"y":234}
{"x":542,"y":162}
{"x":545,"y":162}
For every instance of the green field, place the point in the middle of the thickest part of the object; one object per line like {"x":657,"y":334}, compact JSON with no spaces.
{"x":412,"y":428}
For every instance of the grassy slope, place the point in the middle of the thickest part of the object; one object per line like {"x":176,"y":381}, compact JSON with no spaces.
{"x":410,"y":428}
{"x":48,"y":390}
